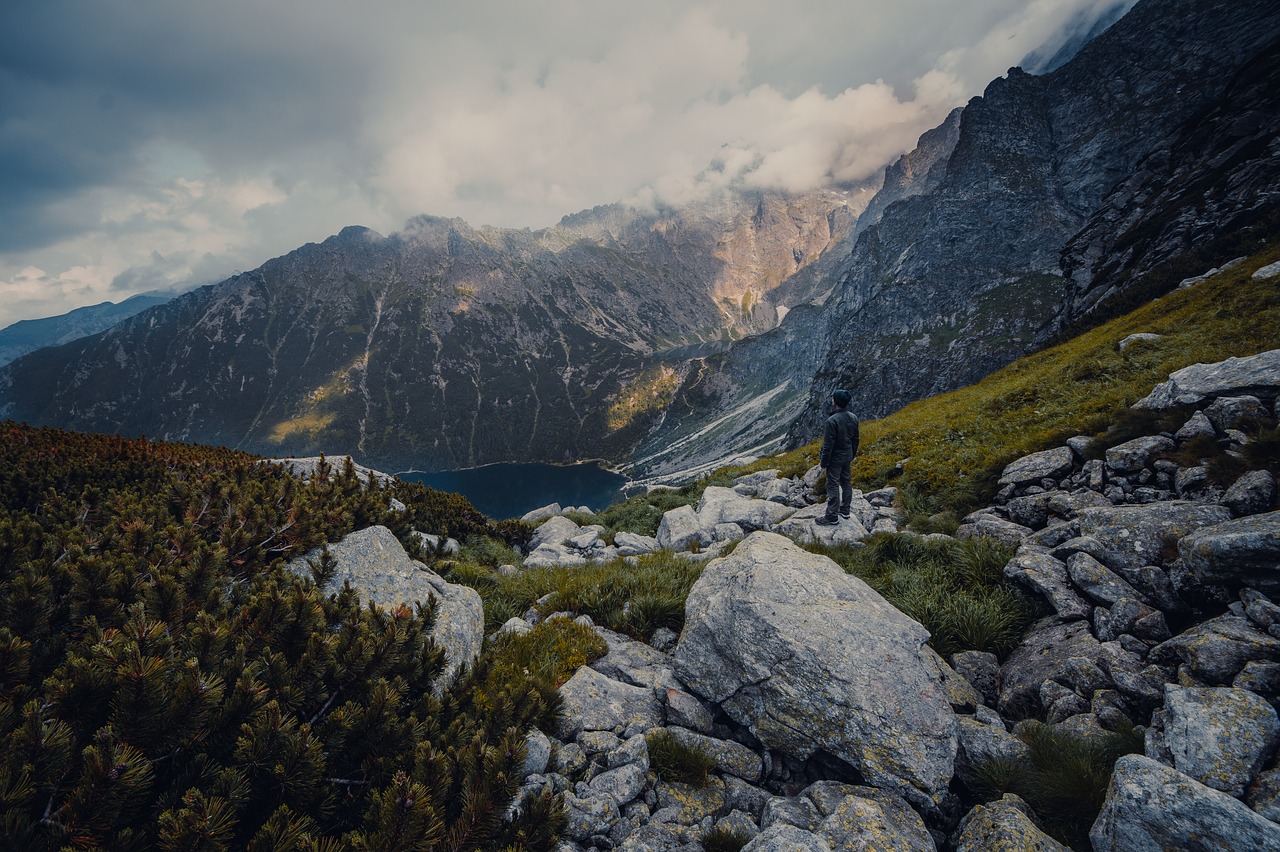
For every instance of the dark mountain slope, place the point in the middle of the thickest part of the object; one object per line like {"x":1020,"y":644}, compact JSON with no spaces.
{"x":444,"y":345}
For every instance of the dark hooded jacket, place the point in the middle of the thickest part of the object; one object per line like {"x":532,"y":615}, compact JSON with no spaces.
{"x":840,"y":441}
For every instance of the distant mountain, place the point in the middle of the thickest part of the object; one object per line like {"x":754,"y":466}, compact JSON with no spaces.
{"x":29,"y":335}
{"x":447,"y":346}
{"x":1150,"y":153}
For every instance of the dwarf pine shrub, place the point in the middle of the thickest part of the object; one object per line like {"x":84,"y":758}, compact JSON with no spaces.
{"x":165,"y":684}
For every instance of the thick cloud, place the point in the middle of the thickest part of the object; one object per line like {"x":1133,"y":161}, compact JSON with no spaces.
{"x":150,"y":143}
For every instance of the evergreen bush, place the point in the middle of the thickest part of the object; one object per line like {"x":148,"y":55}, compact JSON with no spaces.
{"x":165,"y":684}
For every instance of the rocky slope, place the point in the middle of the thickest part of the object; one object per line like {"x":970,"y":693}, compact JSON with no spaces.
{"x":829,"y":724}
{"x":445,"y":346}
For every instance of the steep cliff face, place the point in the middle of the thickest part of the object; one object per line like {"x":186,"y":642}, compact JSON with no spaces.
{"x":959,"y":280}
{"x":1203,"y":196}
{"x":444,"y":345}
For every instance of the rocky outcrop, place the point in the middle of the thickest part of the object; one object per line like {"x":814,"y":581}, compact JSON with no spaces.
{"x":1256,"y":374}
{"x":1152,"y":807}
{"x":374,"y":562}
{"x":812,"y":659}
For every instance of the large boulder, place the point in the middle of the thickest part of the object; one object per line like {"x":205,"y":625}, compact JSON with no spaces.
{"x":374,"y":562}
{"x":1217,"y":650}
{"x":1145,"y":535}
{"x":1219,"y":736}
{"x":1047,"y":576}
{"x":726,"y":506}
{"x":1047,"y":464}
{"x":1258,"y":375}
{"x":810,"y":658}
{"x":1152,"y":808}
{"x":1042,"y":656}
{"x":593,"y":702}
{"x":1243,"y":552}
{"x":870,"y":819}
{"x":1003,"y":825}
{"x":680,"y":529}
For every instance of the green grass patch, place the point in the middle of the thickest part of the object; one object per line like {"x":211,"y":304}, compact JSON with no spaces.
{"x":955,"y":589}
{"x":956,"y":444}
{"x":672,"y":760}
{"x":551,"y":652}
{"x":1064,"y":778}
{"x":633,"y":598}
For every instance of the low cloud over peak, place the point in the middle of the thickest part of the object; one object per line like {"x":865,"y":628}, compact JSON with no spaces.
{"x":157,"y":144}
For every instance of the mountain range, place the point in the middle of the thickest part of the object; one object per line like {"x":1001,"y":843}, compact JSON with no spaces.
{"x":668,"y":341}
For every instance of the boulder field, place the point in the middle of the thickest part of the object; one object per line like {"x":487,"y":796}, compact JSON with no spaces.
{"x":831,"y":725}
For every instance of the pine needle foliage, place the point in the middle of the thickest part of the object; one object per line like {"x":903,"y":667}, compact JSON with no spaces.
{"x":165,"y":684}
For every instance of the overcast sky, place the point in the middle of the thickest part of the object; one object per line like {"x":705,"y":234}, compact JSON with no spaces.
{"x":153,"y":143}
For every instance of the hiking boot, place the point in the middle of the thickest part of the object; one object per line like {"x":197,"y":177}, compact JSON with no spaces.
{"x":827,"y":522}
{"x":845,"y":513}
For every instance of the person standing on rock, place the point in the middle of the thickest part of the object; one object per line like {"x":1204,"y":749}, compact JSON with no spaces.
{"x":839,"y":446}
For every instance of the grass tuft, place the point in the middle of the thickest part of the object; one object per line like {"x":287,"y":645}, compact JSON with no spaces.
{"x":955,"y":589}
{"x":552,"y":651}
{"x":724,"y":839}
{"x":672,"y":760}
{"x":1064,"y":778}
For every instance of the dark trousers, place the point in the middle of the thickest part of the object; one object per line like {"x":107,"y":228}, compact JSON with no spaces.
{"x":839,"y":490}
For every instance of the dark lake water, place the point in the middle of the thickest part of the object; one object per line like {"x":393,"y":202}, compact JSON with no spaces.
{"x":509,"y":490}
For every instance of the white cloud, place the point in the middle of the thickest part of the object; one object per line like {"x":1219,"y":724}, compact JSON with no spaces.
{"x":188,"y":142}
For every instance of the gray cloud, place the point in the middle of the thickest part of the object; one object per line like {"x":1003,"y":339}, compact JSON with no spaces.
{"x":149,"y":141}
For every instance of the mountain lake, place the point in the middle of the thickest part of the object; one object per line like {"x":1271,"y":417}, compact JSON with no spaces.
{"x":509,"y":490}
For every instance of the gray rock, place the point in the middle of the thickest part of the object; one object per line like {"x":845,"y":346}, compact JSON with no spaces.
{"x":739,"y":795}
{"x":1197,"y":426}
{"x":622,"y":784}
{"x":1031,"y":511}
{"x":537,"y":747}
{"x":1133,"y":456}
{"x":1080,"y":445}
{"x":1140,"y":535}
{"x":515,"y":624}
{"x":992,"y":527}
{"x":686,"y":711}
{"x":439,"y":544}
{"x":634,"y":751}
{"x":1242,"y":552}
{"x":589,"y":815}
{"x":1234,"y":376}
{"x":1047,"y":464}
{"x":1264,"y":795}
{"x":980,"y":669}
{"x":1228,"y":412}
{"x":1041,"y":656}
{"x":634,"y":662}
{"x":724,"y":506}
{"x":594,"y":702}
{"x":680,"y":528}
{"x":1068,"y":504}
{"x":801,"y":527}
{"x":811,"y":658}
{"x":790,"y":810}
{"x":554,"y":531}
{"x":1219,"y":737}
{"x":1097,"y":581}
{"x":1215,"y":651}
{"x":664,"y":639}
{"x":1190,"y":480}
{"x":692,"y":804}
{"x":1139,"y":337}
{"x":631,"y":544}
{"x":981,"y":742}
{"x":651,"y":838}
{"x":730,"y":757}
{"x":541,"y":513}
{"x":1046,"y":576}
{"x":1055,"y":534}
{"x":1271,"y":270}
{"x":1003,"y":825}
{"x":786,"y":838}
{"x":1152,"y":808}
{"x":1252,"y":493}
{"x":374,"y":562}
{"x":875,"y":819}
